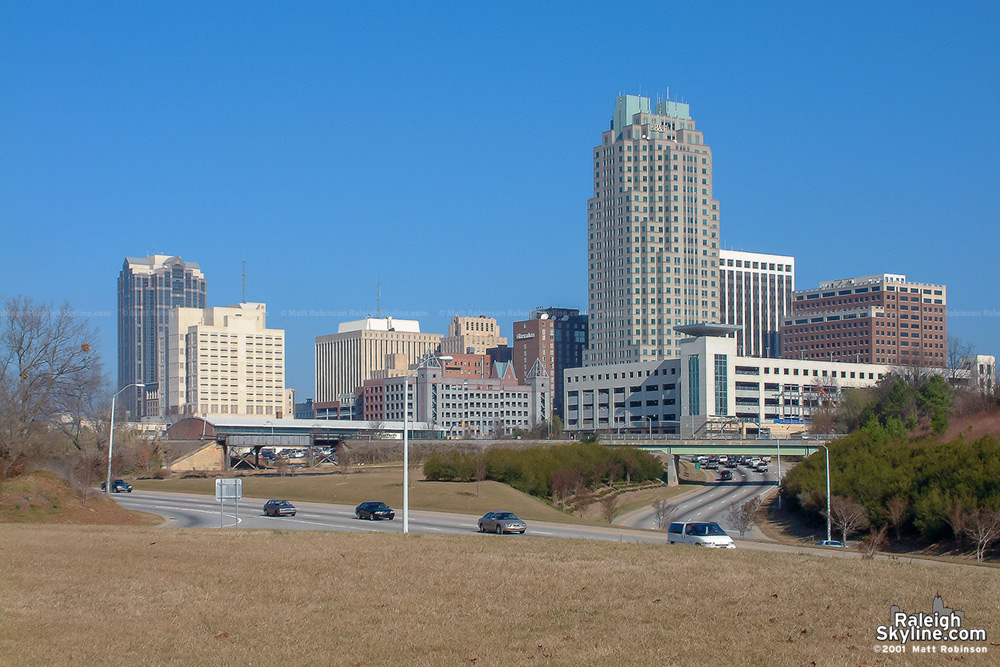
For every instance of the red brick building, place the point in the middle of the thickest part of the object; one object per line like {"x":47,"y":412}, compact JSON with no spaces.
{"x":879,"y":319}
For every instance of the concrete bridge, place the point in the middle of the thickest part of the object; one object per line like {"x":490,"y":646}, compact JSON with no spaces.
{"x":674,"y":448}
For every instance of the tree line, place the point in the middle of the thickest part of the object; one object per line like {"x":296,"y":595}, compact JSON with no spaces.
{"x":556,"y":471}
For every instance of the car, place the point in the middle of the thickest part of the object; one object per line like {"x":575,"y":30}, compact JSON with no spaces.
{"x":830,"y":543}
{"x":117,"y":486}
{"x":374,"y":509}
{"x":699,"y":533}
{"x":501,"y":522}
{"x":725,"y":476}
{"x":279,"y":508}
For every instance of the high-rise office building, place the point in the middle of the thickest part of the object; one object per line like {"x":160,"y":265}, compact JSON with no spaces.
{"x":652,"y":233}
{"x":148,"y":288}
{"x":224,"y":361}
{"x":472,"y":335}
{"x":365,"y":349}
{"x":755,"y":292}
{"x":555,"y":338}
{"x":881,"y":319}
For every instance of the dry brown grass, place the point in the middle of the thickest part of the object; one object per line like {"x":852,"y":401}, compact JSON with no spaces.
{"x":44,"y":497}
{"x":90,"y":595}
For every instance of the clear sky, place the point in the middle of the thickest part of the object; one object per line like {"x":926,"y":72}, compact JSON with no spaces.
{"x":443,"y":149}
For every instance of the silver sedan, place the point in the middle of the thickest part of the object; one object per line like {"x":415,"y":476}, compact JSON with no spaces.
{"x":501,"y":522}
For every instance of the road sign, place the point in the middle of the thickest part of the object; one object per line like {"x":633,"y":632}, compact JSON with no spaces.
{"x":228,"y":489}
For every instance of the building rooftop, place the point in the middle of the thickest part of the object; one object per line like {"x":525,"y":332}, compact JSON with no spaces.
{"x":380,"y":324}
{"x":708,"y":329}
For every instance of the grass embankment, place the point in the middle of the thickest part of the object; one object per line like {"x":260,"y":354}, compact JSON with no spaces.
{"x":89,"y":595}
{"x":44,"y":497}
{"x":385,"y":484}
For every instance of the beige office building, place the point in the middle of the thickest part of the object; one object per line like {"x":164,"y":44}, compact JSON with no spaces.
{"x":224,"y":361}
{"x":472,"y":335}
{"x":652,"y":234}
{"x":366,"y":349}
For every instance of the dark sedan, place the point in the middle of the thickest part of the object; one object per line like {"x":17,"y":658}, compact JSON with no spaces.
{"x":117,"y":486}
{"x":501,"y":522}
{"x":374,"y":509}
{"x":279,"y":508}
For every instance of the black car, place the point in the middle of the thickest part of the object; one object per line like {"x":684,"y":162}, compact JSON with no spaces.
{"x":725,"y":475}
{"x":373,"y":509}
{"x":279,"y":508}
{"x":117,"y":486}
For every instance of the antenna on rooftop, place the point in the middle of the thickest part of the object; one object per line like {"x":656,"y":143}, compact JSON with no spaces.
{"x":244,"y":281}
{"x":378,"y":299}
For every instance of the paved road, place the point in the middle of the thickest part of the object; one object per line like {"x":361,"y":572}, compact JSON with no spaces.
{"x":194,"y":511}
{"x":713,"y":500}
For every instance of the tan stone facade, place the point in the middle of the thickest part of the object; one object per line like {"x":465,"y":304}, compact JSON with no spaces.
{"x":224,"y":361}
{"x":366,"y":349}
{"x":472,"y":335}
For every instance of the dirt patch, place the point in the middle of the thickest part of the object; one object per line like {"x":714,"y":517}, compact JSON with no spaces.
{"x":44,"y":497}
{"x":973,"y":427}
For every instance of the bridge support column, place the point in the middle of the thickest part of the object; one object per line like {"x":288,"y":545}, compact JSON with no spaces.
{"x":672,"y":477}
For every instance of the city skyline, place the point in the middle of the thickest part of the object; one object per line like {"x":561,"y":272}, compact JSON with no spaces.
{"x":219,"y":135}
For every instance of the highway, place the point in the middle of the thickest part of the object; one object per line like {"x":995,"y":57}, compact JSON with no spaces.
{"x":713,"y":500}
{"x":195,"y":511}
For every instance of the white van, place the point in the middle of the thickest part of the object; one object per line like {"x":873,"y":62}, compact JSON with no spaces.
{"x":700,"y":533}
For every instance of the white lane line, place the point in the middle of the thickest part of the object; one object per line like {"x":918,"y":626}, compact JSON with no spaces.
{"x":541,"y":532}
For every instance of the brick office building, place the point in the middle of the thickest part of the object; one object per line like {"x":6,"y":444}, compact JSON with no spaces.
{"x":882,"y":319}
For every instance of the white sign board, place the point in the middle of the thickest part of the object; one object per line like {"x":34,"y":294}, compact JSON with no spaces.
{"x":228,"y":489}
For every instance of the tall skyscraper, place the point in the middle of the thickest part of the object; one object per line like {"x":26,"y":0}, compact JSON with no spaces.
{"x":755,"y":292}
{"x":148,"y":288}
{"x":652,"y":233}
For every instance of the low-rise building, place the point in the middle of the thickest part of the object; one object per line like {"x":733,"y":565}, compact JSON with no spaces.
{"x":461,"y":403}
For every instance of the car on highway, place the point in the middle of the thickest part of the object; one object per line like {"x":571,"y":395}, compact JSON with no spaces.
{"x":830,"y":543}
{"x":279,"y":508}
{"x":117,"y":486}
{"x":700,"y":533}
{"x":501,"y":522}
{"x":725,"y":475}
{"x":374,"y":509}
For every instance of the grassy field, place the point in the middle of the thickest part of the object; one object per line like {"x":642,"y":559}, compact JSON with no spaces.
{"x":385,"y":483}
{"x":99,"y":595}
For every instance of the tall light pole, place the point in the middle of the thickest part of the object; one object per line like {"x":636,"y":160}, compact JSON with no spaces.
{"x":828,"y":532}
{"x":779,"y":470}
{"x":406,"y":438}
{"x":111,"y":437}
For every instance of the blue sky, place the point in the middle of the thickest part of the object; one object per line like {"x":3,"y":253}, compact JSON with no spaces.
{"x":443,"y":149}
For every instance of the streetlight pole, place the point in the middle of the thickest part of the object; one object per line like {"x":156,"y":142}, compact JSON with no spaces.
{"x":111,"y":436}
{"x":406,"y":439}
{"x":779,"y":471}
{"x":828,"y":531}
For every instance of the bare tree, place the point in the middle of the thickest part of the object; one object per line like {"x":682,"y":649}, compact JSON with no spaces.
{"x":46,"y":365}
{"x":663,"y":514}
{"x":743,"y":517}
{"x":955,"y":517}
{"x":609,"y":506}
{"x":876,"y":542}
{"x":479,"y":470}
{"x":344,"y":456}
{"x":848,"y":515}
{"x":895,"y":510}
{"x":984,"y":529}
{"x":958,"y":349}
